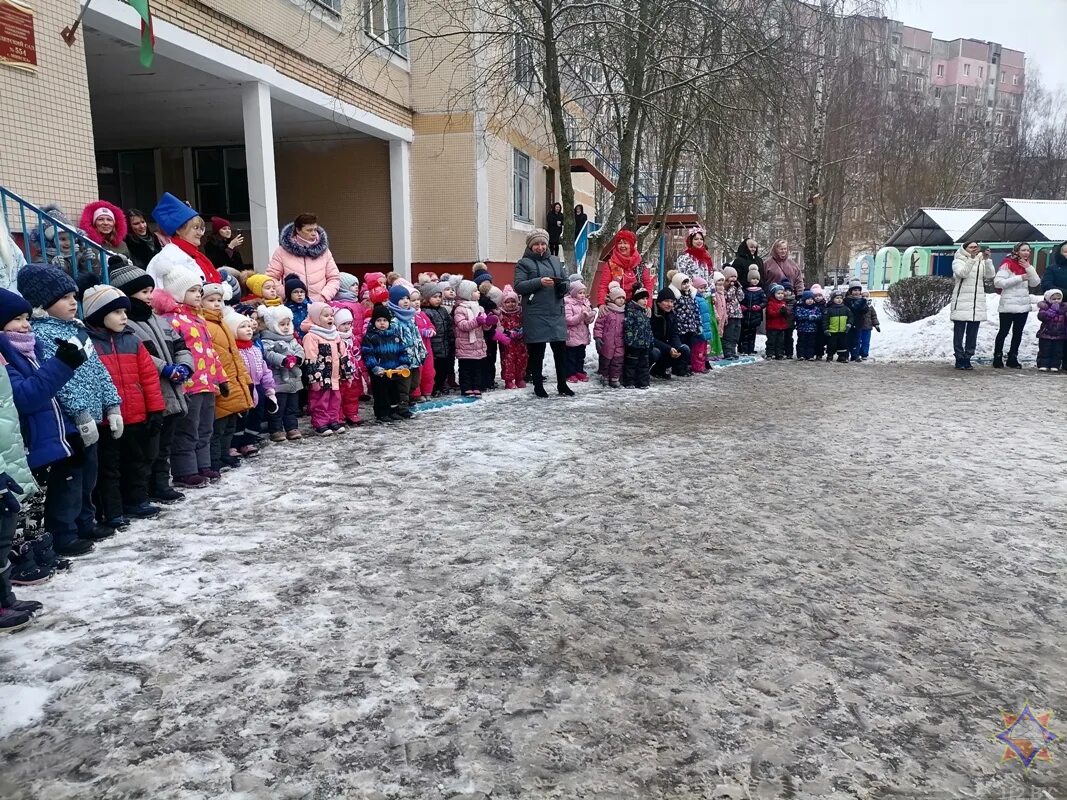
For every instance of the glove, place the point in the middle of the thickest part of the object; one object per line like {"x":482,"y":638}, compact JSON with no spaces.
{"x":757,"y":308}
{"x":878,"y":328}
{"x":8,"y":491}
{"x":87,"y":429}
{"x":154,"y":423}
{"x":379,"y":371}
{"x":176,"y":373}
{"x":502,"y":338}
{"x":491,"y":319}
{"x":114,"y":422}
{"x":289,"y":362}
{"x":481,"y":319}
{"x":70,"y":354}
{"x":224,"y":389}
{"x":272,"y":403}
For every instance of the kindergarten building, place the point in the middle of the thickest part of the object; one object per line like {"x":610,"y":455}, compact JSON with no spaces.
{"x":257,"y":110}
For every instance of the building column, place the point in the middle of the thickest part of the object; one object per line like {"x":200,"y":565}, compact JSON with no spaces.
{"x":259,"y":160}
{"x":400,"y":201}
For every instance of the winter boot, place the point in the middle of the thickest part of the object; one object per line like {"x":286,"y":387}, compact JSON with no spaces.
{"x":998,"y":361}
{"x":143,"y":511}
{"x":165,"y":494}
{"x":25,"y":571}
{"x":75,"y":547}
{"x":12,"y":620}
{"x":967,"y":363}
{"x":509,"y":384}
{"x":539,"y":388}
{"x":278,"y":436}
{"x":191,"y":481}
{"x":45,"y":555}
{"x":1013,"y":361}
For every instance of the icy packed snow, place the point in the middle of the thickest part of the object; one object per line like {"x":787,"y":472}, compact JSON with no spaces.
{"x":779,"y":580}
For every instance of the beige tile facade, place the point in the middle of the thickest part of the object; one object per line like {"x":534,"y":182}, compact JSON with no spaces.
{"x":46,"y":140}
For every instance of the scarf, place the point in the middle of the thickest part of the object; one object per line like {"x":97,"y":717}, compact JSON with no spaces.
{"x":139,"y":311}
{"x":619,"y":264}
{"x":700,"y":255}
{"x":24,"y":343}
{"x":329,"y":334}
{"x":277,"y":301}
{"x":244,"y":344}
{"x":406,"y":315}
{"x":1012,"y":263}
{"x":615,"y":308}
{"x":211,"y":274}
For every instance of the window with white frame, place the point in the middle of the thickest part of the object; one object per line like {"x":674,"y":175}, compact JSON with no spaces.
{"x":922,"y":62}
{"x":904,"y":58}
{"x":963,"y":92}
{"x":981,"y":72}
{"x":524,"y":62}
{"x":966,"y":69}
{"x":1000,"y":118}
{"x":330,"y":5}
{"x":385,"y":21}
{"x":521,"y":186}
{"x":1003,"y":77}
{"x":941,"y":70}
{"x":1014,"y":80}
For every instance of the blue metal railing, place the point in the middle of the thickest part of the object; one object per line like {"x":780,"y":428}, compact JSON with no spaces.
{"x":76,"y":255}
{"x":581,"y":243}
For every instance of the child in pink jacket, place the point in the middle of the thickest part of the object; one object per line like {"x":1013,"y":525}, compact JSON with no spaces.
{"x":328,"y":366}
{"x":608,"y":335}
{"x":579,"y":315}
{"x":471,"y":322}
{"x":351,"y":389}
{"x":427,"y":374}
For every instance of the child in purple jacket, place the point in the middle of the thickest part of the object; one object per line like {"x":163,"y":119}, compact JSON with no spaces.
{"x":1050,"y":338}
{"x":608,"y":335}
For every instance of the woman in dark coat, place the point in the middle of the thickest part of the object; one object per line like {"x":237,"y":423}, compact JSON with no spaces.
{"x":580,"y":218}
{"x":555,"y":228}
{"x":542,"y":284}
{"x":142,"y":244}
{"x":222,"y":246}
{"x":747,"y":257}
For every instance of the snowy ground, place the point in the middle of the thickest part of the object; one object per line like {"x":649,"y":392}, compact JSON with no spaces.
{"x":780,"y":580}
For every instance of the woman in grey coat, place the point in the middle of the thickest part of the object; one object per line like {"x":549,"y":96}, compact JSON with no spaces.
{"x":542,"y":284}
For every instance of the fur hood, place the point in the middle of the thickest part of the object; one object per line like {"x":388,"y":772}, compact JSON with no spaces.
{"x":162,"y":302}
{"x":86,"y":223}
{"x":292,"y":244}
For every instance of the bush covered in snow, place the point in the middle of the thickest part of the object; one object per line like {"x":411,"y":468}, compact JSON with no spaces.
{"x":913,"y":299}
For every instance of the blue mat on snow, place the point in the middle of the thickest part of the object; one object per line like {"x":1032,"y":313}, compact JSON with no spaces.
{"x":444,"y":402}
{"x":737,"y":363}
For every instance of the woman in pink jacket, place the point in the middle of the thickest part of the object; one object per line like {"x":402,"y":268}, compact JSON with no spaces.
{"x":304,"y":250}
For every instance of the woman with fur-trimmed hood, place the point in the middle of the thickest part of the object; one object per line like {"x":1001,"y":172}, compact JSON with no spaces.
{"x":304,"y":250}
{"x":105,"y":224}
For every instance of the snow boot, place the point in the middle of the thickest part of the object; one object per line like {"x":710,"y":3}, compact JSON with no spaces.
{"x":143,"y":511}
{"x":1013,"y":362}
{"x":539,"y":388}
{"x":25,"y":571}
{"x":278,"y":436}
{"x":191,"y":481}
{"x":12,"y":620}
{"x":998,"y":361}
{"x":164,"y":494}
{"x":75,"y":547}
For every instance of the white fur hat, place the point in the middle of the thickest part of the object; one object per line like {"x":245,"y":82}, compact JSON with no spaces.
{"x":174,"y":279}
{"x":273,"y":315}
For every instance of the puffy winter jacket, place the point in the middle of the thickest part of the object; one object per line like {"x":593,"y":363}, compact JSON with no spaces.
{"x":1015,"y":289}
{"x":385,"y":349}
{"x":133,"y":372}
{"x":706,"y":320}
{"x":753,"y":304}
{"x":470,"y":342}
{"x":1053,"y":320}
{"x":300,"y":315}
{"x":35,"y":384}
{"x":258,"y":371}
{"x":312,"y":261}
{"x":91,"y":391}
{"x":580,"y":316}
{"x":637,"y":327}
{"x":327,"y":360}
{"x":608,"y":330}
{"x":239,"y":399}
{"x":191,"y":327}
{"x":443,"y":343}
{"x":809,"y":318}
{"x":968,"y":297}
{"x":733,"y":295}
{"x":838,"y":319}
{"x":778,"y":315}
{"x":1056,"y":271}
{"x":165,"y":346}
{"x":665,"y":330}
{"x":12,"y":448}
{"x":276,"y":348}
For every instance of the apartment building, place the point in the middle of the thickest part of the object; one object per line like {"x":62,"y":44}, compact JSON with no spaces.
{"x":256,"y":110}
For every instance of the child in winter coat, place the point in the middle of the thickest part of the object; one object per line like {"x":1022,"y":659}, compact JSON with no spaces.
{"x":328,"y":367}
{"x":352,"y":388}
{"x":820,"y":337}
{"x":791,"y":302}
{"x":122,"y":485}
{"x":580,"y":315}
{"x":512,"y":338}
{"x":637,"y":340}
{"x":686,"y":315}
{"x":296,"y":300}
{"x":89,"y":398}
{"x":470,"y":321}
{"x":489,"y":298}
{"x":1053,"y":332}
{"x":177,"y":299}
{"x":718,"y":299}
{"x":808,"y":317}
{"x":173,"y":363}
{"x":386,"y":358}
{"x":427,"y":331}
{"x":285,"y":357}
{"x":865,"y":322}
{"x":404,"y":323}
{"x":443,"y":342}
{"x":264,"y":290}
{"x":779,"y":317}
{"x":707,"y":346}
{"x":859,"y":306}
{"x":261,"y":383}
{"x":608,"y":335}
{"x":753,"y":304}
{"x":54,"y":447}
{"x":231,"y":407}
{"x":732,"y":294}
{"x":837,"y":325}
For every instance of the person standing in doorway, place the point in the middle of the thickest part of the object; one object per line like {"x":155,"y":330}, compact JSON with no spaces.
{"x":971,"y":267}
{"x":554,"y":227}
{"x":1014,"y":280}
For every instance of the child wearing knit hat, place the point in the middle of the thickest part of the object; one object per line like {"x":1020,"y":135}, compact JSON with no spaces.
{"x":351,"y":388}
{"x":470,"y":323}
{"x":489,"y":298}
{"x":404,"y":323}
{"x":285,"y":357}
{"x":264,"y":395}
{"x":122,"y":485}
{"x":753,"y":304}
{"x":385,"y":355}
{"x":328,"y":367}
{"x":732,"y":294}
{"x":296,"y":300}
{"x":514,"y":358}
{"x":229,"y":407}
{"x":579,"y":314}
{"x":443,"y":342}
{"x":264,"y":289}
{"x":1052,"y":334}
{"x":637,"y":340}
{"x":427,"y":373}
{"x":707,"y":344}
{"x":608,"y":335}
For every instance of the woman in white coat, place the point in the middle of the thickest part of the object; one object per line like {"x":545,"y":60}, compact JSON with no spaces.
{"x":1015,"y":278}
{"x":971,"y":267}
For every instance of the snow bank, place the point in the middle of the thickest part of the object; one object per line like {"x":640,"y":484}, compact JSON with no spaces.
{"x":930,"y":339}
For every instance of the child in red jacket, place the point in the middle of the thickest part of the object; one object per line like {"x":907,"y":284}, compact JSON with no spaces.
{"x":779,"y":315}
{"x":125,"y":460}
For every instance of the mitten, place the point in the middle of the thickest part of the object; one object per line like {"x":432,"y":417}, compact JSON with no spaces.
{"x":502,"y":338}
{"x":8,"y":491}
{"x":379,"y":371}
{"x":272,"y":403}
{"x":224,"y":389}
{"x":757,"y":308}
{"x":878,"y":328}
{"x":176,"y":373}
{"x":491,"y":319}
{"x":289,"y":362}
{"x":70,"y":354}
{"x":114,"y":422}
{"x":481,"y":319}
{"x":87,"y":429}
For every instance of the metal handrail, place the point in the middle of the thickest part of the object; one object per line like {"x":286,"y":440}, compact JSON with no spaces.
{"x":581,"y":243}
{"x":82,"y":248}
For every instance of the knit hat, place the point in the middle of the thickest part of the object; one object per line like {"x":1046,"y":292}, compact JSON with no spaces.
{"x":100,"y":300}
{"x":729,"y":272}
{"x":428,"y":290}
{"x":378,"y":294}
{"x":807,"y":295}
{"x":292,"y":283}
{"x":699,"y":282}
{"x":775,"y":288}
{"x":664,"y":295}
{"x":854,"y":284}
{"x":103,"y":211}
{"x":615,"y":292}
{"x":481,"y":274}
{"x":171,"y":213}
{"x":256,"y":282}
{"x":221,"y":289}
{"x":535,"y":236}
{"x":574,"y":277}
{"x":817,"y":289}
{"x":838,"y":292}
{"x":11,"y":305}
{"x":787,"y":284}
{"x":380,"y":312}
{"x":315,"y":311}
{"x":175,"y":279}
{"x":398,"y":292}
{"x":218,"y":223}
{"x":273,"y":315}
{"x":509,"y":294}
{"x":466,"y":290}
{"x":1048,"y":299}
{"x":639,"y":292}
{"x":42,"y":284}
{"x":349,"y":282}
{"x":341,"y":316}
{"x":675,"y":286}
{"x":575,"y":287}
{"x":129,"y":278}
{"x":717,"y":276}
{"x":232,"y":320}
{"x":753,"y":274}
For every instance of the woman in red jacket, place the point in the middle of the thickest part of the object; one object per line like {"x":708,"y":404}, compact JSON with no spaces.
{"x":623,"y":265}
{"x":125,"y":458}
